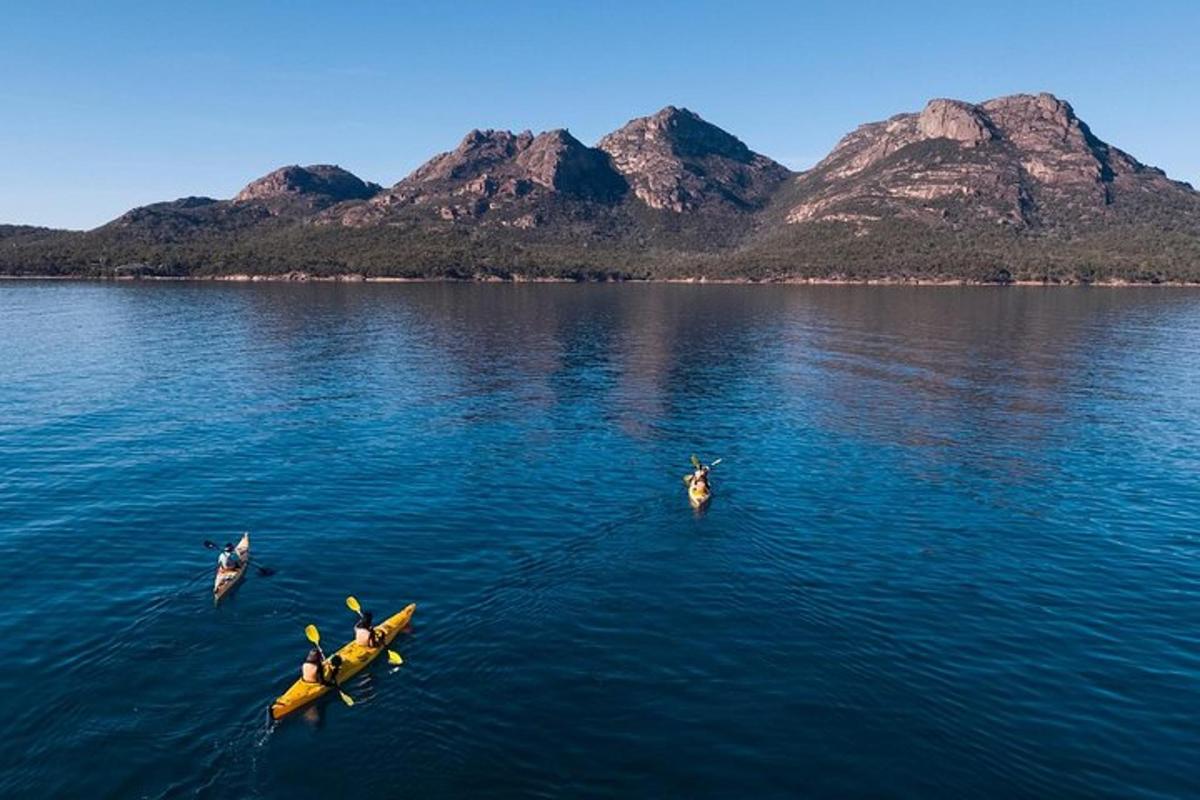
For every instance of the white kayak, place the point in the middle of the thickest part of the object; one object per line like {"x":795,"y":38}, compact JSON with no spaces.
{"x":228,"y":578}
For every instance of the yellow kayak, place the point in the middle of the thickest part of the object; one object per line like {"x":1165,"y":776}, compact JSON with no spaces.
{"x":699,"y":495}
{"x":228,"y":578}
{"x":355,"y":659}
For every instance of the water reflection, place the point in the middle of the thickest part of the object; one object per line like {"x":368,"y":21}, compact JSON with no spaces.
{"x":975,"y":370}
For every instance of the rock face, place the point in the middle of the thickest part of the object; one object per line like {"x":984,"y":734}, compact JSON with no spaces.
{"x":676,"y":161}
{"x":1058,"y":151}
{"x":478,"y":153}
{"x":956,"y":120}
{"x":558,"y":161}
{"x":308,"y":188}
{"x":1023,"y":160}
{"x":496,"y":176}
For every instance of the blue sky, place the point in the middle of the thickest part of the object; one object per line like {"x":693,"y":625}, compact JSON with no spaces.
{"x":107,"y":106}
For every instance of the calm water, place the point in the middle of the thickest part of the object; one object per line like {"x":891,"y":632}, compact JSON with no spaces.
{"x":954,"y":551}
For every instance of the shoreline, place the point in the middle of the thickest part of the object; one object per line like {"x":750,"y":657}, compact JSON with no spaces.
{"x":303,"y":277}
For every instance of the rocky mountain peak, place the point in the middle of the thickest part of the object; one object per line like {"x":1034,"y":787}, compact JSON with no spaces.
{"x":554,"y":160}
{"x":1050,"y":110}
{"x":498,"y":176}
{"x":690,"y":136}
{"x":956,"y":120}
{"x":677,"y":161}
{"x":1022,"y":159}
{"x":312,"y":187}
{"x":478,"y":151}
{"x":557,"y":160}
{"x":1057,"y":147}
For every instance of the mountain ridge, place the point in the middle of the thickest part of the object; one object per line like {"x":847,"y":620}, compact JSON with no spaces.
{"x":1014,"y":188}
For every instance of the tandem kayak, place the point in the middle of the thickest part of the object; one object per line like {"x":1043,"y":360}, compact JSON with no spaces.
{"x":226,"y":579}
{"x":355,"y":659}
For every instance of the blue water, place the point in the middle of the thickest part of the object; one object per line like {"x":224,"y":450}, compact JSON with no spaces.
{"x":954,"y":549}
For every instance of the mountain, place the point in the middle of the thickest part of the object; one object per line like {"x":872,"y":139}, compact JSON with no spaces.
{"x":671,"y":161}
{"x":292,"y":193}
{"x":300,"y":189}
{"x":1014,"y":188}
{"x":497,"y":177}
{"x":187,"y":216}
{"x":676,"y":161}
{"x":1024,"y":160}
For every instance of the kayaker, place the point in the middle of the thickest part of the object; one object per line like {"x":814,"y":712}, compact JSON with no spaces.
{"x":365,"y":634}
{"x":316,"y":669}
{"x":332,"y":668}
{"x":229,"y":560}
{"x":310,"y":670}
{"x":698,"y":480}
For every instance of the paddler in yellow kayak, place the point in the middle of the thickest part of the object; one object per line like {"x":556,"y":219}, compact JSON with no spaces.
{"x":699,"y":489}
{"x":316,"y":669}
{"x":364,"y":631}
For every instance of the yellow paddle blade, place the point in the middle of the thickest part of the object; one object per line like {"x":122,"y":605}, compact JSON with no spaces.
{"x":394,"y":657}
{"x":313,"y":634}
{"x":347,"y":699}
{"x":352,"y":604}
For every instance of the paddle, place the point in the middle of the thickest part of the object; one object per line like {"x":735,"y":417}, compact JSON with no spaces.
{"x":266,"y":572}
{"x":314,"y":636}
{"x":696,"y":464}
{"x":352,"y":604}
